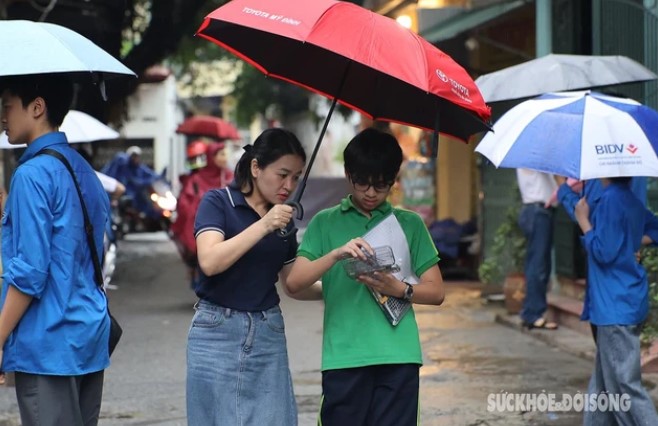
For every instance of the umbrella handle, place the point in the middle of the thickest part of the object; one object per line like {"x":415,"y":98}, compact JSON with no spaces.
{"x":297,"y":196}
{"x":288,"y":231}
{"x":291,"y":229}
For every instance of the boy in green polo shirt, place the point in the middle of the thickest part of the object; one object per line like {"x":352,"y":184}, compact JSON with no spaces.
{"x":369,"y":367}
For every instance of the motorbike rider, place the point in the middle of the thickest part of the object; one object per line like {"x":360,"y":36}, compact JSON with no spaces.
{"x":215,"y":174}
{"x":128,"y":169}
{"x":113,"y":187}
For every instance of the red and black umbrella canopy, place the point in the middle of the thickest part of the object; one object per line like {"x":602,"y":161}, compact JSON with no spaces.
{"x":366,"y":61}
{"x":363,"y":60}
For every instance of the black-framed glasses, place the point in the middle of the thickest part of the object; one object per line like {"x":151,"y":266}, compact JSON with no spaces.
{"x":378,"y":186}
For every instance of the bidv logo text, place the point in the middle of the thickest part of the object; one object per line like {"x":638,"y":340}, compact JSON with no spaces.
{"x":615,"y":149}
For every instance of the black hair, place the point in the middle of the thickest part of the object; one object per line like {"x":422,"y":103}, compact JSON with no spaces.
{"x":55,"y":89}
{"x":271,"y":145}
{"x":373,"y":156}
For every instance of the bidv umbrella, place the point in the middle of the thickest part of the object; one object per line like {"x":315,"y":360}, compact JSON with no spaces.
{"x":582,"y":135}
{"x":209,"y":126}
{"x":40,"y":48}
{"x":79,"y":128}
{"x":351,"y":55}
{"x":557,"y":73}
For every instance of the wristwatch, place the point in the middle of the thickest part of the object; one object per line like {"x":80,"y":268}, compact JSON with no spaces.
{"x":408,"y":292}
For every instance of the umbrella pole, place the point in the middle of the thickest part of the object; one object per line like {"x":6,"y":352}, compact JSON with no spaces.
{"x":302,"y":184}
{"x":435,"y":136}
{"x":297,"y":196}
{"x":295,"y":202}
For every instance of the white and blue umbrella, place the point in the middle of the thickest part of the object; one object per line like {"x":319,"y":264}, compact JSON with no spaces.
{"x":38,"y":47}
{"x":583,"y":135}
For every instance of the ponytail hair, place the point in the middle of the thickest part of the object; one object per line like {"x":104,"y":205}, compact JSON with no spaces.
{"x":271,"y":145}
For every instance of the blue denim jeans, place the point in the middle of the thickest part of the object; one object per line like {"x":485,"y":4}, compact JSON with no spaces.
{"x":536,"y":222}
{"x":617,"y":371}
{"x":237,"y":369}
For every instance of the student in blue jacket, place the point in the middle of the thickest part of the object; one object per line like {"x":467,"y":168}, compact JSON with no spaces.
{"x":617,"y":299}
{"x":54,"y":324}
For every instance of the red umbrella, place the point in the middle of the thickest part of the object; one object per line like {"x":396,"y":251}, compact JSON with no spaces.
{"x":340,"y":50}
{"x":363,"y":60}
{"x":206,"y":125}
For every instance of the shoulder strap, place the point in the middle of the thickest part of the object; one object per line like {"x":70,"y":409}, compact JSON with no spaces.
{"x":89,"y":228}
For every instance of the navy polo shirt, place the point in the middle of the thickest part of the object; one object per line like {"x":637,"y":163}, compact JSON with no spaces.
{"x":248,"y":285}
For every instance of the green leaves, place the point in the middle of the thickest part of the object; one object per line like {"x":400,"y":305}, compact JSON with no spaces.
{"x":650,"y":262}
{"x":255,"y":93}
{"x":507,"y":254}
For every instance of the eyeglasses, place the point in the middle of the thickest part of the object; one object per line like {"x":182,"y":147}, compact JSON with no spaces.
{"x":378,"y":186}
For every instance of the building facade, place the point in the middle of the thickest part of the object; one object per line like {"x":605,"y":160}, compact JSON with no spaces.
{"x":485,"y":36}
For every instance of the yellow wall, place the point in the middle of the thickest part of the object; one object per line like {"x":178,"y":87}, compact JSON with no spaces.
{"x":455,"y":179}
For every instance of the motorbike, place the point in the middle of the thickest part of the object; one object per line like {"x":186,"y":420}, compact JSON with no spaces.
{"x":153,"y":211}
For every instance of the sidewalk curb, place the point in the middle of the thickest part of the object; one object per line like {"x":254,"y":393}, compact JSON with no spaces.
{"x":567,"y":340}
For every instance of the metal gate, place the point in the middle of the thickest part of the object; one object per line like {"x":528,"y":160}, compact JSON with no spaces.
{"x":630,"y":28}
{"x":618,"y":27}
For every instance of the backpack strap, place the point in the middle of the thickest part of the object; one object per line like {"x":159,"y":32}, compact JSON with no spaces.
{"x":89,"y":228}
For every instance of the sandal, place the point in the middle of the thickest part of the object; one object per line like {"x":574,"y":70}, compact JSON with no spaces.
{"x":541,"y":323}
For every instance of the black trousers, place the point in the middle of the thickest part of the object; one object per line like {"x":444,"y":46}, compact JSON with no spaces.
{"x":59,"y":400}
{"x":379,"y":395}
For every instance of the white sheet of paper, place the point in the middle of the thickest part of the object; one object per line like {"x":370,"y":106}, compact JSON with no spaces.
{"x":388,"y":232}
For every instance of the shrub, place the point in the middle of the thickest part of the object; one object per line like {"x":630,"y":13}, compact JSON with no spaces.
{"x":507,"y":253}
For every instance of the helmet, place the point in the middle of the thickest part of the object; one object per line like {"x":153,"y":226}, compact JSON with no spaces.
{"x":134,"y":150}
{"x":196,"y":154}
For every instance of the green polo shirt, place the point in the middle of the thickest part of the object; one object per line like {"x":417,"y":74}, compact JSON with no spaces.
{"x":356,"y":332}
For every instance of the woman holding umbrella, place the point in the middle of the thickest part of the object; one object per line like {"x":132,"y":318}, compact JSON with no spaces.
{"x":237,"y":361}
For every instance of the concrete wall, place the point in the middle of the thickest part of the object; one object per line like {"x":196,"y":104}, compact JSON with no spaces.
{"x":455,"y":181}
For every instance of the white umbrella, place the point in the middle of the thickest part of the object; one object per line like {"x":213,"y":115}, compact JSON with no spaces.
{"x":37,"y":48}
{"x":583,"y":135}
{"x":557,"y":73}
{"x":79,"y":128}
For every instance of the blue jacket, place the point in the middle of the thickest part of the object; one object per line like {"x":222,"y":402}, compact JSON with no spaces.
{"x":617,"y":288}
{"x":592,"y":191}
{"x":45,"y":254}
{"x":135,"y":177}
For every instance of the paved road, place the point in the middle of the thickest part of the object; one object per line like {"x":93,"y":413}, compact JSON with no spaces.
{"x":467,"y":354}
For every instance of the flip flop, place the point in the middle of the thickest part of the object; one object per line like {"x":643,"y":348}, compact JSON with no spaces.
{"x":542,"y":323}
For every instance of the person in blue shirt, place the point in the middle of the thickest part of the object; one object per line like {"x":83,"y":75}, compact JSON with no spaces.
{"x":127,"y":168}
{"x":237,"y":360}
{"x":591,"y":190}
{"x":618,"y":297}
{"x":54,"y":324}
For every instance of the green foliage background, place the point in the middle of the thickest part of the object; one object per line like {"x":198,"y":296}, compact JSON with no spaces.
{"x":507,"y":254}
{"x":650,"y":263}
{"x":253,"y":91}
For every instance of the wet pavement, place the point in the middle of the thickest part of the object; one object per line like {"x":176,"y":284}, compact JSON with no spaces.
{"x":477,"y":355}
{"x":468,"y":355}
